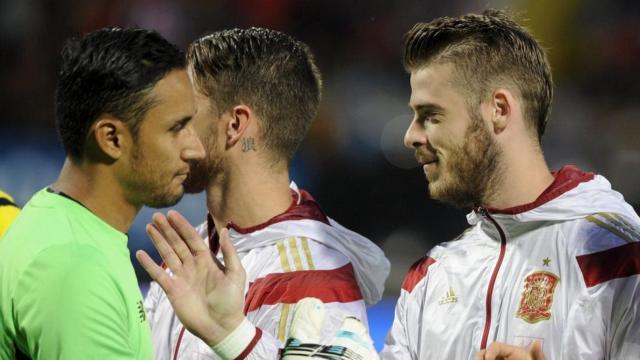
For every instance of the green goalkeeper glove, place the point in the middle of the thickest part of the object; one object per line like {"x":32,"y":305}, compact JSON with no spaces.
{"x":351,"y":341}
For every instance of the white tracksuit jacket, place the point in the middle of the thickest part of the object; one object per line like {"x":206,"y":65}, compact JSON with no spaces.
{"x":300,"y":253}
{"x":563,"y":270}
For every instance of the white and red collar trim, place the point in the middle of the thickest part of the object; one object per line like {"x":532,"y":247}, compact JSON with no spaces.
{"x":303,"y":207}
{"x":567,"y":178}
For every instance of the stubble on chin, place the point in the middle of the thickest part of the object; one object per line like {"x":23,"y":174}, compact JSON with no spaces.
{"x":470,"y":175}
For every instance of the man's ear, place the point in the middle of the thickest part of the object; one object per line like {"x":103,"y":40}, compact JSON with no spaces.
{"x":502,"y":106}
{"x":108,"y":136}
{"x":241,"y":117}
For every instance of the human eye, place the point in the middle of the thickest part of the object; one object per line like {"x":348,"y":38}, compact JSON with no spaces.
{"x":430,"y":118}
{"x":434,"y":119}
{"x":179,"y":125}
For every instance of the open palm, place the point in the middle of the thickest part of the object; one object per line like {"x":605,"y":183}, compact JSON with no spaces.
{"x":206,"y":295}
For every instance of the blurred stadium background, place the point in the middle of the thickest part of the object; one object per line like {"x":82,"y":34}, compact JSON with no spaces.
{"x":353,"y":160}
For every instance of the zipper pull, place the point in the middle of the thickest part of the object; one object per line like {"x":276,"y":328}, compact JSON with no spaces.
{"x":483,"y":211}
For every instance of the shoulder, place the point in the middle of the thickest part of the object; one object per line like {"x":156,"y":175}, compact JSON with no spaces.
{"x":417,"y":272}
{"x":304,"y":269}
{"x":456,"y":248}
{"x":295,"y":253}
{"x":606,"y":246}
{"x":600,"y":231}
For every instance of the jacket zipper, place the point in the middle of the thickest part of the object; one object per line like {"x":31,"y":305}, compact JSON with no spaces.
{"x":494,"y":275}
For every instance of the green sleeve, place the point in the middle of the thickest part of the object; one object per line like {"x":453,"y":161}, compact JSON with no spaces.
{"x":69,"y":306}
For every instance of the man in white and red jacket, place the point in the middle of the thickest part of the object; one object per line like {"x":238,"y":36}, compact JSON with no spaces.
{"x":257,"y":92}
{"x":550,"y":264}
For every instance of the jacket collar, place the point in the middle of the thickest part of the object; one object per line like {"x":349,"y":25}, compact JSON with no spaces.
{"x":565,"y":179}
{"x":303,"y":207}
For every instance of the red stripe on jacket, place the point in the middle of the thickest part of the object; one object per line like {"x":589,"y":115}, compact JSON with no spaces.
{"x":243,"y":355}
{"x":614,"y":263}
{"x":337,"y":285}
{"x":417,"y":272}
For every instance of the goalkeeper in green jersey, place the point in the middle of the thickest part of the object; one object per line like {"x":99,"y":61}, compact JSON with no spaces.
{"x":67,"y":287}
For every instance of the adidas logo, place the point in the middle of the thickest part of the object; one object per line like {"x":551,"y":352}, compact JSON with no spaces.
{"x":449,"y":298}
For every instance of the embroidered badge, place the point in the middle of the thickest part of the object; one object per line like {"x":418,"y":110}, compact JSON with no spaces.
{"x":537,"y":296}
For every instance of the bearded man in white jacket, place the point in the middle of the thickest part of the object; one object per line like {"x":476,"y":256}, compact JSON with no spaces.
{"x":549,"y":266}
{"x":256,"y":93}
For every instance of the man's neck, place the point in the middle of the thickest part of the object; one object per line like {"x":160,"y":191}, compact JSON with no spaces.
{"x":523,"y":178}
{"x":248,"y":199}
{"x":97,"y":190}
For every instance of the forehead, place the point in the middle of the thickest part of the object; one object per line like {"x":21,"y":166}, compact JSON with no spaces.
{"x":174,"y":90}
{"x":433,"y":84}
{"x":173,"y":98}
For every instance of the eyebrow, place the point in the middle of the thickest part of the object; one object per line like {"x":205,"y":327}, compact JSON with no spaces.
{"x":185,"y":118}
{"x":428,"y":108}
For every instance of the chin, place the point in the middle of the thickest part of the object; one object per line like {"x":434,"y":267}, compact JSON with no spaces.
{"x":166,"y":200}
{"x":434,"y":193}
{"x":439,"y":191}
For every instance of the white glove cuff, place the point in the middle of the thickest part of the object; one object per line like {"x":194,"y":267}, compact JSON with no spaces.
{"x":236,"y":342}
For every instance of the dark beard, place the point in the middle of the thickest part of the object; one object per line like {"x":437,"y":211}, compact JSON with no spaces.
{"x":200,"y":175}
{"x":474,"y":169}
{"x":147,"y":189}
{"x":161,"y":200}
{"x":202,"y":172}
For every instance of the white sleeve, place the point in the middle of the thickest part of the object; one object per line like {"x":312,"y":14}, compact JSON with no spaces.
{"x":604,"y":322}
{"x":160,"y":322}
{"x":624,"y":340}
{"x":151,"y":300}
{"x":395,"y":343}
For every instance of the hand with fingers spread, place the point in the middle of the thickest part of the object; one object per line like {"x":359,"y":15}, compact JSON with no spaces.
{"x":206,"y":295}
{"x":500,"y":351}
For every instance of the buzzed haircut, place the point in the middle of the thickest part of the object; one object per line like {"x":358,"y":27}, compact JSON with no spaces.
{"x":109,"y":71}
{"x":487,"y":51}
{"x":267,"y":70}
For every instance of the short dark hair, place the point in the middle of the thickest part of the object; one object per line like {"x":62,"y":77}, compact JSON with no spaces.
{"x":109,"y":71}
{"x":486,"y":50}
{"x":266,"y":69}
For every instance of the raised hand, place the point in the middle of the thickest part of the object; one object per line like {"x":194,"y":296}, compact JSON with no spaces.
{"x":206,"y":295}
{"x":500,"y":351}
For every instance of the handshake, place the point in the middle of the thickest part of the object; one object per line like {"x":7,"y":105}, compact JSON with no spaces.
{"x":351,"y":341}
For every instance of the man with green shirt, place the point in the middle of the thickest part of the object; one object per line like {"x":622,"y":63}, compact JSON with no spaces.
{"x":67,"y":287}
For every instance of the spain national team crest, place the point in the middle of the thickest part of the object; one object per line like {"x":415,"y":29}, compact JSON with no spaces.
{"x":537,"y":296}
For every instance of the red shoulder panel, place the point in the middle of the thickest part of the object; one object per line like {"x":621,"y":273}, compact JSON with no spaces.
{"x":614,"y":263}
{"x":337,"y":285}
{"x":417,"y":272}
